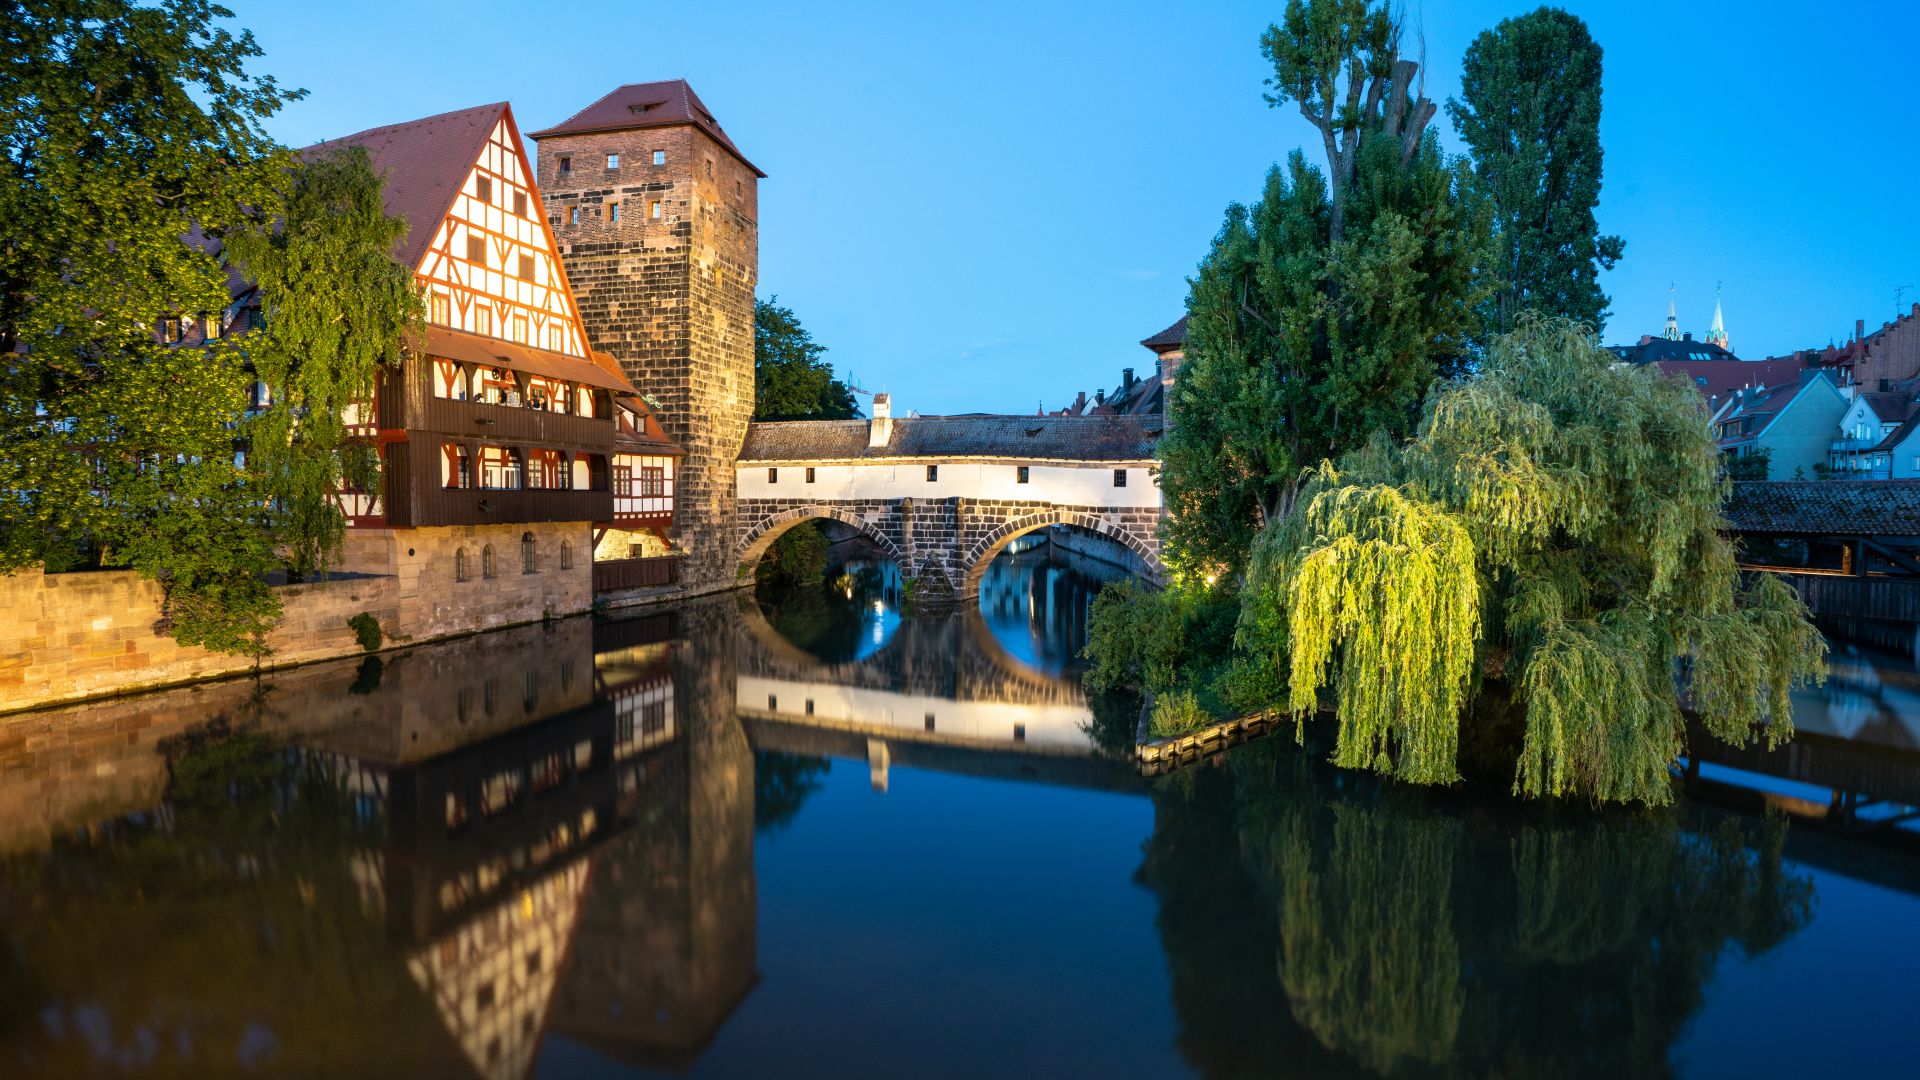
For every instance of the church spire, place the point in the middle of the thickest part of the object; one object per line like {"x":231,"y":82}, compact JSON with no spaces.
{"x":1717,"y":333}
{"x":1672,"y":332}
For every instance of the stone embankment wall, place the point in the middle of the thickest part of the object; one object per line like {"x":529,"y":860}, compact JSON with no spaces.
{"x":67,"y":637}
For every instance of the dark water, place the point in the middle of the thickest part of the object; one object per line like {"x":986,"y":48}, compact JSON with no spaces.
{"x":815,"y":837}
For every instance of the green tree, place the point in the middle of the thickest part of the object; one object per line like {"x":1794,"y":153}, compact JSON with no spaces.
{"x":1554,"y":521}
{"x":338,"y":307}
{"x":1529,"y":111}
{"x":1324,"y":311}
{"x":123,"y":129}
{"x":791,"y":381}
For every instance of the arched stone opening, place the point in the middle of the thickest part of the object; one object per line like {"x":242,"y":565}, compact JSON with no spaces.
{"x":764,"y":532}
{"x":1145,"y":555}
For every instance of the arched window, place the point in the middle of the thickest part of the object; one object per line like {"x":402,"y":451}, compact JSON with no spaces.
{"x":526,"y":553}
{"x":486,"y":561}
{"x":460,"y":565}
{"x":566,"y":554}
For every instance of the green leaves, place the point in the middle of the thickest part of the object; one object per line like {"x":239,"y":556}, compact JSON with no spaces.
{"x":791,"y":381}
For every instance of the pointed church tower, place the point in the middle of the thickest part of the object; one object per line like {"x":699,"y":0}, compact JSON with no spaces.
{"x":1717,"y":333}
{"x":1672,"y":332}
{"x":656,"y":212}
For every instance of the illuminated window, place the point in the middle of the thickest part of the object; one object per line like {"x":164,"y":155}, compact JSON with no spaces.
{"x":170,"y":329}
{"x":656,"y":210}
{"x":212,"y":324}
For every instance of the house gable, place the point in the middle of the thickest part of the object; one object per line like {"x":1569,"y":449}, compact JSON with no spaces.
{"x":491,"y":266}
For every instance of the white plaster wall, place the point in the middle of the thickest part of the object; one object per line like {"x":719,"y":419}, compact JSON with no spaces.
{"x":906,"y":478}
{"x":1053,"y":728}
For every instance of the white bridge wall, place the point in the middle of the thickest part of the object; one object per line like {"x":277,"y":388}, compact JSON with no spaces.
{"x":1063,"y":483}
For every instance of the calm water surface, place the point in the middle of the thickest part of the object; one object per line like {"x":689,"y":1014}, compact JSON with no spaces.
{"x":805,"y":835}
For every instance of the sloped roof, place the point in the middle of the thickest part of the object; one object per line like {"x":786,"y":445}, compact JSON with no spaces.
{"x":1715,"y":378}
{"x":1655,"y":350}
{"x":1827,"y":507}
{"x":1053,"y":438}
{"x":647,"y":105}
{"x":1173,"y":337}
{"x":1908,"y":425}
{"x":492,"y":351}
{"x":424,"y":161}
{"x":1890,"y":405}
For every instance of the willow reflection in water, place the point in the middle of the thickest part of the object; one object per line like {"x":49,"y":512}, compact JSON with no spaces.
{"x":1399,"y":931}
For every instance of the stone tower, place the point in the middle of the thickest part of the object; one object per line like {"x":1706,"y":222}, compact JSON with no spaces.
{"x":656,"y":214}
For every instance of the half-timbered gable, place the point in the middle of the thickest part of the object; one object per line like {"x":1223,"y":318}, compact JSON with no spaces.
{"x":500,"y":412}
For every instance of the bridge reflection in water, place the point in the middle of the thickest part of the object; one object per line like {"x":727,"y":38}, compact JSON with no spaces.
{"x":536,"y":849}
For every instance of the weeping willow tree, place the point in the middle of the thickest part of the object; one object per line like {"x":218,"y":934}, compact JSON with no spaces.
{"x":1553,"y":522}
{"x":338,"y":309}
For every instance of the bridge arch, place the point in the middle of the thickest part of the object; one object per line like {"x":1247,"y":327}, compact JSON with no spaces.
{"x":975,"y":561}
{"x":761,"y":535}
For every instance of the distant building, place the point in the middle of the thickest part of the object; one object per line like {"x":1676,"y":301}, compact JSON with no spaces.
{"x":1882,"y":359}
{"x":1871,"y":418}
{"x":1135,"y":396}
{"x":1793,"y":422}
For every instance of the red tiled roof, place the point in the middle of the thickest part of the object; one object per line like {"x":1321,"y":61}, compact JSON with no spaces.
{"x":1830,"y":507}
{"x":424,"y":161}
{"x":474,"y":349}
{"x":1173,"y":337}
{"x":1715,"y":378}
{"x":647,"y":105}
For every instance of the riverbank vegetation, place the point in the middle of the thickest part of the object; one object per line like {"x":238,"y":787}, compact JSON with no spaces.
{"x":139,"y":187}
{"x":1434,"y":518}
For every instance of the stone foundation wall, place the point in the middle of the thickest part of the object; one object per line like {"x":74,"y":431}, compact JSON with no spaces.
{"x":67,"y":637}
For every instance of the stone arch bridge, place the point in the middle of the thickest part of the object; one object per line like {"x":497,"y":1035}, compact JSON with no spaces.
{"x":942,"y":495}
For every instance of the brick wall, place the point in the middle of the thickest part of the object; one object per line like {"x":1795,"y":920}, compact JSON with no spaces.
{"x":671,"y":299}
{"x":66,"y":637}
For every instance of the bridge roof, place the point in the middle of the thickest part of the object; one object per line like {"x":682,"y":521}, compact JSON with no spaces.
{"x":1048,"y":438}
{"x":1827,"y":507}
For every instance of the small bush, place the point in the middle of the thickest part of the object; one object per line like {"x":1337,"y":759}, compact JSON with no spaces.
{"x":1251,"y":684}
{"x":1175,"y":713}
{"x":366,"y":630}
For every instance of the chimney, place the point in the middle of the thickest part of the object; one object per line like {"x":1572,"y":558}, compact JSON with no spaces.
{"x":1688,"y":336}
{"x":880,"y":428}
{"x":1079,"y":404}
{"x":1859,"y":329}
{"x":1099,"y":397}
{"x":1126,"y":378}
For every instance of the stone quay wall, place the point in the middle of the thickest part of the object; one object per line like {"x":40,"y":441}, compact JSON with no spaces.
{"x":69,"y":637}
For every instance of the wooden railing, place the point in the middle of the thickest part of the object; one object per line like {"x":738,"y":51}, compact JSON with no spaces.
{"x":1875,"y":596}
{"x":613,"y":575}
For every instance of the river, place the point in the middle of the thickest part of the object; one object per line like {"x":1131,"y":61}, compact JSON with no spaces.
{"x":812,"y":834}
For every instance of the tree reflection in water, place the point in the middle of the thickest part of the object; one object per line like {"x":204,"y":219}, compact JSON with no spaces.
{"x":1420,"y":933}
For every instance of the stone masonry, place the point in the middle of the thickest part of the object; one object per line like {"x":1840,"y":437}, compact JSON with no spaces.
{"x":670,"y":296}
{"x":947,"y":544}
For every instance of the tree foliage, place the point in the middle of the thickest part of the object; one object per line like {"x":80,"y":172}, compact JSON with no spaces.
{"x":1529,"y":111}
{"x":339,"y":308}
{"x":791,"y":381}
{"x":1325,"y":310}
{"x":1555,"y":519}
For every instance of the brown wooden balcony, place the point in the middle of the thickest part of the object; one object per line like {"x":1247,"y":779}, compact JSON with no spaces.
{"x":434,"y":505}
{"x":509,"y":423}
{"x":613,"y":575}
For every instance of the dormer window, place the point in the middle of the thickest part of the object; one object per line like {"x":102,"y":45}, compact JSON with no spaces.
{"x":170,"y":329}
{"x":212,"y":323}
{"x":639,"y":107}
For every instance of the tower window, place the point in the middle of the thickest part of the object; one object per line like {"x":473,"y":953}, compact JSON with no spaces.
{"x":613,"y":212}
{"x":566,"y":165}
{"x":1020,"y":475}
{"x":709,"y":168}
{"x":483,"y":189}
{"x":933,"y":473}
{"x":526,"y":267}
{"x":659,"y":157}
{"x":476,"y":250}
{"x":1119,"y":478}
{"x":613,"y":161}
{"x":575,"y":218}
{"x":656,"y":210}
{"x":520,"y":203}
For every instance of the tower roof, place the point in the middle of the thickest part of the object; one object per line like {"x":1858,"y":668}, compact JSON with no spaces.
{"x":424,"y":162}
{"x":647,"y":105}
{"x":1173,"y":337}
{"x":1717,"y":333}
{"x":1672,"y":332}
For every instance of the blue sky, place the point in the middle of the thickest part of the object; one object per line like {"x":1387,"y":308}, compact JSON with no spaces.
{"x":985,"y":206}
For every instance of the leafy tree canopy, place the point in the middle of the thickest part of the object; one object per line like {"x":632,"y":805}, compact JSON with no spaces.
{"x":1529,"y":111}
{"x":1555,"y":521}
{"x":1324,"y":311}
{"x":791,"y":380}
